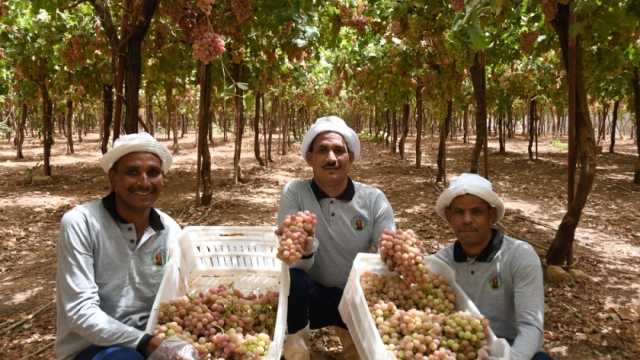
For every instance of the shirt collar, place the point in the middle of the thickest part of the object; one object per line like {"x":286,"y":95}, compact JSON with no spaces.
{"x":346,"y":195}
{"x":487,"y":254}
{"x":109,"y":203}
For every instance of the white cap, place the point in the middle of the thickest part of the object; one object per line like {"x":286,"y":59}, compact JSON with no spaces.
{"x":333,"y":124}
{"x":136,"y":142}
{"x":471,"y":184}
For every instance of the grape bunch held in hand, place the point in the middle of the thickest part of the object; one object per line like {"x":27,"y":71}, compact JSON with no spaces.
{"x":399,"y":251}
{"x":296,"y":235}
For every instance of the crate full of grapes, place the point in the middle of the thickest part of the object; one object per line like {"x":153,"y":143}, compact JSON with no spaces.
{"x":401,"y":305}
{"x":226,"y":293}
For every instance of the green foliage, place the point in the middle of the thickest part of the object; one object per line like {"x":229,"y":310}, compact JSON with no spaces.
{"x":5,"y":129}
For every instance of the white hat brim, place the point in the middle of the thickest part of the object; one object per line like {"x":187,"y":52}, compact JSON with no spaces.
{"x":331,"y":124}
{"x":447,"y":196}
{"x":154,"y":147}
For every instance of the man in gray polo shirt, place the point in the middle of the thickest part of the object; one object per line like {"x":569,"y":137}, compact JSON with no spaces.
{"x":500,"y":274}
{"x":111,"y":257}
{"x":351,"y":216}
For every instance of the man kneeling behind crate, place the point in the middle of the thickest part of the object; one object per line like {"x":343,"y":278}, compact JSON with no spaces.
{"x":351,"y":216}
{"x":111,"y":257}
{"x":500,"y":274}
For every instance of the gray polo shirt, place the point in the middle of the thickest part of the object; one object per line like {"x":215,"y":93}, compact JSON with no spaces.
{"x":505,"y":282}
{"x":106,"y":280}
{"x":348,"y":224}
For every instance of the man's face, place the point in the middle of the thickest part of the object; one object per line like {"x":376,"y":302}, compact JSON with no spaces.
{"x":137,"y":180}
{"x":471,"y":219}
{"x":329,"y":157}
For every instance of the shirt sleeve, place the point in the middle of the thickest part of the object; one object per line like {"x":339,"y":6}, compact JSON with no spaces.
{"x":77,"y":290}
{"x":383,"y":218}
{"x":528,"y":292}
{"x":289,"y":204}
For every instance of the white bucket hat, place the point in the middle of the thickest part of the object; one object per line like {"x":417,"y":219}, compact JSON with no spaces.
{"x":471,"y":184}
{"x":333,"y":124}
{"x":136,"y":142}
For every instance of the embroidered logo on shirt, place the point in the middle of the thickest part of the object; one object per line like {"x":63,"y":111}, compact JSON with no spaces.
{"x":359,"y":222}
{"x":159,"y":257}
{"x":495,"y":282}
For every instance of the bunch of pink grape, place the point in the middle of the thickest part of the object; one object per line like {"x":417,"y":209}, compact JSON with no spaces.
{"x":296,"y":233}
{"x":241,"y":9}
{"x":205,"y":6}
{"x":208,"y":46}
{"x":402,"y":255}
{"x":457,"y":5}
{"x":222,"y":322}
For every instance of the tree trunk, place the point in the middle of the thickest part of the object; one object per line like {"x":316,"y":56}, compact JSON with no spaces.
{"x":133,"y":70}
{"x":204,"y":121}
{"x":224,"y":121}
{"x":239,"y":112}
{"x":19,"y":140}
{"x":107,"y":115}
{"x":47,"y":126}
{"x":510,"y":120}
{"x":636,"y":108}
{"x":478,"y":79}
{"x":561,"y":250}
{"x":256,"y":128}
{"x":184,"y":126}
{"x":406,"y":111}
{"x":532,"y":122}
{"x":275,"y":105}
{"x":82,"y":122}
{"x":387,"y":130}
{"x":442,"y":148}
{"x":69,"y":130}
{"x":465,"y":125}
{"x":394,"y":136}
{"x":419,"y":126}
{"x":614,"y":124}
{"x":265,"y":125}
{"x":284,"y":127}
{"x":602,"y":129}
{"x":172,"y":121}
{"x":148,"y":110}
{"x":501,"y":133}
{"x":133,"y":75}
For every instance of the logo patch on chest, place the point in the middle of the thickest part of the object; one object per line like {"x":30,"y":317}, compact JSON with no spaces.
{"x":495,"y":282}
{"x":160,"y":257}
{"x":359,"y":222}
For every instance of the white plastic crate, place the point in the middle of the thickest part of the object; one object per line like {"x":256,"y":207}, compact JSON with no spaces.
{"x":242,"y":255}
{"x":355,"y":313}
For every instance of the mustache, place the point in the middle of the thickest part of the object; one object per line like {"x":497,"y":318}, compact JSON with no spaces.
{"x":330,"y":166}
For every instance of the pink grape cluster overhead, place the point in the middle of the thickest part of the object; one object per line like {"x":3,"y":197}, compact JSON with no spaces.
{"x":222,"y":322}
{"x":208,"y":47}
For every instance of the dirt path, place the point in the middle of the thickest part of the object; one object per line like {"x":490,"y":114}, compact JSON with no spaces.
{"x":594,"y":318}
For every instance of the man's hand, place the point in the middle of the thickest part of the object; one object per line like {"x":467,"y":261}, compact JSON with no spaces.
{"x":153,"y":344}
{"x":172,"y":348}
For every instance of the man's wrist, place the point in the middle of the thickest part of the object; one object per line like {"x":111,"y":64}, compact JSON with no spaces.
{"x":307,"y":256}
{"x":143,"y":344}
